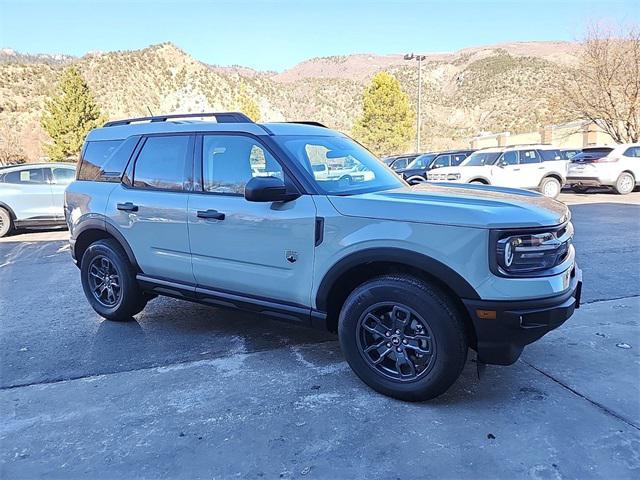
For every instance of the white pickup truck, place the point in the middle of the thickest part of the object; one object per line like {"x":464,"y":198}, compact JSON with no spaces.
{"x":534,"y":167}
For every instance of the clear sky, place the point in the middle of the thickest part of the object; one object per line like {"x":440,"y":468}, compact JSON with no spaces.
{"x":276,"y":34}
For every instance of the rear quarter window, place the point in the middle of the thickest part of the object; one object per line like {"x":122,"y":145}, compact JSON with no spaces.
{"x":105,"y":161}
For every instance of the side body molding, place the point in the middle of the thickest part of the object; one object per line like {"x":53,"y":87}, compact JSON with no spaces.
{"x":433,"y":267}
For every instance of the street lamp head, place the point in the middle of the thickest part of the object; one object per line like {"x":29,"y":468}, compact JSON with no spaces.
{"x":409,"y":56}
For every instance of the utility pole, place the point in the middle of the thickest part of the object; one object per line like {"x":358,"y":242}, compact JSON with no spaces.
{"x":419,"y":58}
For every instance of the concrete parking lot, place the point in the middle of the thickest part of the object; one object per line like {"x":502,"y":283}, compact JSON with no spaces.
{"x":187,"y":391}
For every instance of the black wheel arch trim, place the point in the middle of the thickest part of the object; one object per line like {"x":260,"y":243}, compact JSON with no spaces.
{"x":105,"y":225}
{"x":12,"y":214}
{"x":429,"y":265}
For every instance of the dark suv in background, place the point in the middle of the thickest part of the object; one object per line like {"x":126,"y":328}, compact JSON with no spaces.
{"x":416,"y":171}
{"x":398,"y":162}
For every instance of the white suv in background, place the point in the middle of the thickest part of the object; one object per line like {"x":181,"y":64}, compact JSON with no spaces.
{"x":617,"y":167}
{"x":534,"y":167}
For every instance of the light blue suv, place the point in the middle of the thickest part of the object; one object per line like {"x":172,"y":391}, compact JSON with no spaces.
{"x":233,"y":214}
{"x":32,"y":195}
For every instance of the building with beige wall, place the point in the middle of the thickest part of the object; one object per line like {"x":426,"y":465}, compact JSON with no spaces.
{"x":577,"y":134}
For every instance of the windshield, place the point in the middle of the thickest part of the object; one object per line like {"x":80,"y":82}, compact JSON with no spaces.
{"x":350,"y":169}
{"x":478,"y":159}
{"x":422,"y":161}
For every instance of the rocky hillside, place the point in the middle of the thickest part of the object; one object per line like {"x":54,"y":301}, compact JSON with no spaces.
{"x":504,"y":87}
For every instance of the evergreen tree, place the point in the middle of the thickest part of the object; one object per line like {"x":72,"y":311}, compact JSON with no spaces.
{"x":387,"y":122}
{"x":248,"y":106}
{"x":69,"y":116}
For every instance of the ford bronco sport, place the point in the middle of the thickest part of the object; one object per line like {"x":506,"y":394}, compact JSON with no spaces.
{"x":230,"y":214}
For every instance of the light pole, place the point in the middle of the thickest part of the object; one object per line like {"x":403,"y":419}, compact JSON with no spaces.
{"x":419,"y":58}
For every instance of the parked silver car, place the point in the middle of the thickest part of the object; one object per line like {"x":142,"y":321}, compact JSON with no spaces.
{"x":32,"y":195}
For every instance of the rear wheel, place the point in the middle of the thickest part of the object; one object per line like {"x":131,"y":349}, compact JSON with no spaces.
{"x":6,"y":224}
{"x":625,"y":183}
{"x":416,"y":180}
{"x":109,"y":281}
{"x":403,"y":337}
{"x":550,"y":187}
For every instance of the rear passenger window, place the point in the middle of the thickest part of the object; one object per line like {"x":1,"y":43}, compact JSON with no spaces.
{"x":63,"y":176}
{"x":33,"y":176}
{"x":528,"y":156}
{"x":551,"y":155}
{"x":162,"y":163}
{"x":457,"y":159}
{"x":632,"y":152}
{"x":95,"y":160}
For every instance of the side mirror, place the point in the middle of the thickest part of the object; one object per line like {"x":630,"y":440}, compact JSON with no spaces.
{"x":267,"y":189}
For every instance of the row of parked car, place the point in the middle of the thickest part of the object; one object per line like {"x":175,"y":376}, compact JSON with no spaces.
{"x":537,"y":167}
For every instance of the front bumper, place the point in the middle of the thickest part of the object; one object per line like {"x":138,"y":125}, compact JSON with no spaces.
{"x":503,"y":328}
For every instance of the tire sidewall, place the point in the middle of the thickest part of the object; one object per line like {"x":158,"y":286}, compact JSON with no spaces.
{"x":619,"y":181}
{"x":123,"y":270}
{"x":450,"y":348}
{"x":7,"y":223}
{"x":546,"y":182}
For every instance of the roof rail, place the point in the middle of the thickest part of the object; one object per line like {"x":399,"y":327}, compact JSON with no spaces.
{"x":308,"y":122}
{"x":221,"y":117}
{"x":527,"y":145}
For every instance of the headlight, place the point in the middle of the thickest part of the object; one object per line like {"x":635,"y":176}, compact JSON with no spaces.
{"x":453,"y":176}
{"x":531,"y":252}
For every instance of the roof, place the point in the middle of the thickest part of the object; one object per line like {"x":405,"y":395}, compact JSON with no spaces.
{"x":6,"y":168}
{"x":120,"y":132}
{"x":445,"y":152}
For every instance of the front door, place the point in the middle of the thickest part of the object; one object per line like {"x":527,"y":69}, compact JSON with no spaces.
{"x":531,"y":168}
{"x":150,"y":207}
{"x":260,"y":249}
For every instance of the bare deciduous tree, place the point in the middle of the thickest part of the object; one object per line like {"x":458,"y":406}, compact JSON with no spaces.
{"x":605,"y":86}
{"x":11,"y":151}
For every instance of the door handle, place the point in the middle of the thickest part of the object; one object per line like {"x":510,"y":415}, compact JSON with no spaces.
{"x":516,"y":169}
{"x":127,"y":207}
{"x":212,"y":214}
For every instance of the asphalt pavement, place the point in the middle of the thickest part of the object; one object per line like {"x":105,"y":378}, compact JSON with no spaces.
{"x":189,"y":391}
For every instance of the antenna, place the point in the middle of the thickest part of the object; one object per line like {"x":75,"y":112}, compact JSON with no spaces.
{"x":150,"y":112}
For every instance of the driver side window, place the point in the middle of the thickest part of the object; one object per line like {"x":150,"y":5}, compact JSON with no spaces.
{"x":509,"y":158}
{"x":230,"y":161}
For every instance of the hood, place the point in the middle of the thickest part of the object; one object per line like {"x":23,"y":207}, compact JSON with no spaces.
{"x":477,"y":206}
{"x":408,"y":172}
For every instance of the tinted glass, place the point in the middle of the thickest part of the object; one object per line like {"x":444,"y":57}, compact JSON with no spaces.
{"x":632,"y":152}
{"x":479,"y":159}
{"x":63,"y":176}
{"x":550,"y":155}
{"x":441,"y":161}
{"x":352,"y":168}
{"x":400,"y":163}
{"x":422,"y":161}
{"x":230,"y":161}
{"x":27,"y":176}
{"x":530,"y":156}
{"x":162,"y":163}
{"x":457,"y":159}
{"x":94,"y":160}
{"x":509,"y":158}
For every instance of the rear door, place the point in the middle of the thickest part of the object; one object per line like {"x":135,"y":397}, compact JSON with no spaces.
{"x":150,"y":206}
{"x":257,"y":249}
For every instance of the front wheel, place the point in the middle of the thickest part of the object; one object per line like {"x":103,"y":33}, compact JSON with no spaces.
{"x":5,"y":222}
{"x":403,"y":337}
{"x":550,"y":187}
{"x":109,"y":281}
{"x":625,"y":183}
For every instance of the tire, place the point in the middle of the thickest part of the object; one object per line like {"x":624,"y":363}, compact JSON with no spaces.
{"x":106,"y":259}
{"x":6,"y":224}
{"x":416,"y":180}
{"x":550,"y":187}
{"x":579,"y":189}
{"x":407,"y":302}
{"x":625,"y":183}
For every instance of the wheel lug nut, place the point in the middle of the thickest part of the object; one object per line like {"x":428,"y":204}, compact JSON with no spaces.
{"x":398,"y":349}
{"x":397,"y":332}
{"x":404,"y":341}
{"x":388,"y":334}
{"x":389,"y":345}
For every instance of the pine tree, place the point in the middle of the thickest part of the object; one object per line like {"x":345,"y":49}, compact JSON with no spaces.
{"x":386,"y":125}
{"x":248,"y":106}
{"x":69,"y":116}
